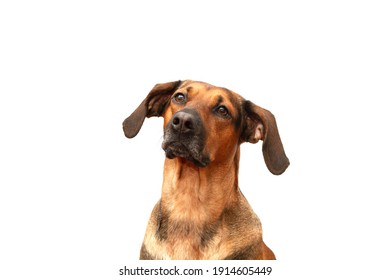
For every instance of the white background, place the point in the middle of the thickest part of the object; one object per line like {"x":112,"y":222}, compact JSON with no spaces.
{"x":76,"y":194}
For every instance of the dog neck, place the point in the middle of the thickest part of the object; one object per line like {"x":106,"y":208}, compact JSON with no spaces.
{"x":192,"y":193}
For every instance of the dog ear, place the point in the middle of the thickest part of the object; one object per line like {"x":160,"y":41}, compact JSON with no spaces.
{"x":260,"y":124}
{"x":153,"y":105}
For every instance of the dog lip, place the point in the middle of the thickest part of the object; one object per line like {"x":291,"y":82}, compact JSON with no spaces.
{"x":178,"y":149}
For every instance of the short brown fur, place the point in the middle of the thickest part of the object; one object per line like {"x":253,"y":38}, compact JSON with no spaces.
{"x":202,"y":213}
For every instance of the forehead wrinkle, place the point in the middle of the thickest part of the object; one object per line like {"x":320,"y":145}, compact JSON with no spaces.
{"x":220,"y":99}
{"x":190,"y":89}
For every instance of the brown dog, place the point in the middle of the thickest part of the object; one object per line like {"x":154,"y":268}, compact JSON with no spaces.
{"x":202,"y":213}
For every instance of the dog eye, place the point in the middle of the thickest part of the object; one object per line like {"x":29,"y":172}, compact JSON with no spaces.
{"x":222,"y":111}
{"x":179,"y":98}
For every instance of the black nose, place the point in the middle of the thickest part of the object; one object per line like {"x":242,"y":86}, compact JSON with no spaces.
{"x":183,"y":122}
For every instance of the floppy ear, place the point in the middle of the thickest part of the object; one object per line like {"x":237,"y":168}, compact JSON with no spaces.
{"x":260,"y":124}
{"x":153,"y":105}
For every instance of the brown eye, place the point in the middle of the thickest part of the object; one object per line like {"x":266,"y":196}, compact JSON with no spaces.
{"x":179,"y":98}
{"x":222,"y":111}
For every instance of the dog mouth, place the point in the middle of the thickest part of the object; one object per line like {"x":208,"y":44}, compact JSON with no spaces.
{"x":175,"y":149}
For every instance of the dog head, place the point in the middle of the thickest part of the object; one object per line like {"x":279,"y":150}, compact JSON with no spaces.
{"x":204,"y":124}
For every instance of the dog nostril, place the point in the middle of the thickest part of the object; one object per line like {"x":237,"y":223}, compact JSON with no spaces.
{"x":176,"y":121}
{"x":188,"y":124}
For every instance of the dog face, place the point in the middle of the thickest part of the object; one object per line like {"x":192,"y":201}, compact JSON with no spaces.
{"x":196,"y":116}
{"x":204,"y":123}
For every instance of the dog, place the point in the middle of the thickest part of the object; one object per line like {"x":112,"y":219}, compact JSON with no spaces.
{"x":202,"y":213}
